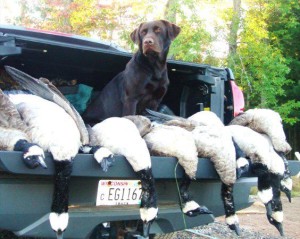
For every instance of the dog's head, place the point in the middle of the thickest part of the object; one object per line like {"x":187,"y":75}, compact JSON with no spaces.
{"x":154,"y":37}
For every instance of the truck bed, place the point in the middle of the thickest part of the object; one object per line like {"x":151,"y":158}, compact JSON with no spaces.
{"x":27,"y":194}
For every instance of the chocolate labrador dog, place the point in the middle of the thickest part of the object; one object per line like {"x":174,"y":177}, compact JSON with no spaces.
{"x":144,"y":81}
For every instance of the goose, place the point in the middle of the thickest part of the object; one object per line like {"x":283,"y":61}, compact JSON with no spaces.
{"x":188,"y":139}
{"x":265,"y":121}
{"x":121,"y":136}
{"x":267,"y":165}
{"x":14,"y":135}
{"x":164,"y":140}
{"x":107,"y":133}
{"x":269,"y":122}
{"x":56,"y":131}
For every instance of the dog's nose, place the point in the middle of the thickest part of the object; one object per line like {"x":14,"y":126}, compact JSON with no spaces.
{"x":148,"y":41}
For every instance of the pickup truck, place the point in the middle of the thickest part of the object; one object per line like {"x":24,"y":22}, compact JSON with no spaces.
{"x":26,"y":194}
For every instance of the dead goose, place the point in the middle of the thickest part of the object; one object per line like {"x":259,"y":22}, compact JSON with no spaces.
{"x":102,"y":134}
{"x":56,"y":132}
{"x":164,"y":140}
{"x":269,"y":175}
{"x":203,"y":141}
{"x":267,"y":165}
{"x":269,"y":122}
{"x":15,"y":136}
{"x":121,"y":137}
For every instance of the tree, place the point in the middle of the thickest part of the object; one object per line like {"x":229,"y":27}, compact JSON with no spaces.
{"x":234,"y":27}
{"x":284,"y":28}
{"x":266,"y":60}
{"x":261,"y":68}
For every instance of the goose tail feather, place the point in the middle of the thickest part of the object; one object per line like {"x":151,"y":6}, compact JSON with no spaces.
{"x":45,"y":89}
{"x":160,"y":117}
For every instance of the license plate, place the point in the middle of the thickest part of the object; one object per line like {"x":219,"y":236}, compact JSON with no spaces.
{"x":119,"y":192}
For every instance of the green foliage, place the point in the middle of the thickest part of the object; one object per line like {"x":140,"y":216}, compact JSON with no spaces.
{"x":191,"y":42}
{"x":261,"y":66}
{"x":296,"y":187}
{"x":265,"y":33}
{"x":284,"y":28}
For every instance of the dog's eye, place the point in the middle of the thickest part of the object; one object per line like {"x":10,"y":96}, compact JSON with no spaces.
{"x":144,"y":32}
{"x":157,"y":30}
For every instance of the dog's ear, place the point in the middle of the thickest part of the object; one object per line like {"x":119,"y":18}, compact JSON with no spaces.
{"x":173,"y":30}
{"x":135,"y":34}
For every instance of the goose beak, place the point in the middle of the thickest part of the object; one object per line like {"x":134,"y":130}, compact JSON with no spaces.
{"x":198,"y":211}
{"x":146,"y":229}
{"x":287,"y":192}
{"x":235,"y":227}
{"x":59,"y":234}
{"x":278,"y":226}
{"x":42,"y":162}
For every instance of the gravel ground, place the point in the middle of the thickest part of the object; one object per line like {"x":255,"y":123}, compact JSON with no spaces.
{"x":253,"y":223}
{"x":219,"y":230}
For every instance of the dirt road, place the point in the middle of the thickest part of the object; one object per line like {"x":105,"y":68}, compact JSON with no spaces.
{"x":254,"y":218}
{"x":253,"y":222}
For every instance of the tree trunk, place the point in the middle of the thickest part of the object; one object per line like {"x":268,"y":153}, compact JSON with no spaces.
{"x":234,"y":27}
{"x":170,"y":11}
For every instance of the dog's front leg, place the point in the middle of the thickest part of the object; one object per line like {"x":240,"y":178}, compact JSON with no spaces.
{"x":129,"y":107}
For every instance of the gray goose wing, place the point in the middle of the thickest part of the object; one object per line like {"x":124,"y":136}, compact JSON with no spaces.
{"x":48,"y":91}
{"x":9,"y":115}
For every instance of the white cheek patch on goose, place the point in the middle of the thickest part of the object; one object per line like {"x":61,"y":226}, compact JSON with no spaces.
{"x":190,"y":206}
{"x":241,"y":162}
{"x":288,"y":183}
{"x":278,"y":216}
{"x":85,"y":149}
{"x":231,"y":220}
{"x":265,"y":195}
{"x":102,"y":153}
{"x":277,"y":165}
{"x":34,"y":150}
{"x":148,"y":214}
{"x":59,"y":221}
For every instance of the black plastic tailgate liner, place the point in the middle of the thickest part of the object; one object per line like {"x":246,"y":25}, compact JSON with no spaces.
{"x":86,"y":166}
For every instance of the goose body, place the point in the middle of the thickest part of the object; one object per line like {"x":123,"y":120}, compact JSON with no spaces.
{"x":267,"y":165}
{"x":164,"y":140}
{"x":56,"y":132}
{"x":15,"y":136}
{"x":216,"y":143}
{"x":269,"y":122}
{"x":49,"y":125}
{"x":265,"y":121}
{"x":9,"y":137}
{"x":206,"y":118}
{"x":258,"y":147}
{"x":186,"y":139}
{"x":121,"y":136}
{"x":213,"y":141}
{"x":55,"y":125}
{"x":168,"y":140}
